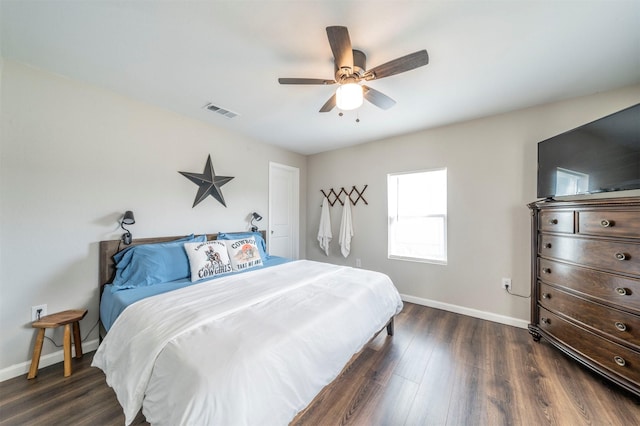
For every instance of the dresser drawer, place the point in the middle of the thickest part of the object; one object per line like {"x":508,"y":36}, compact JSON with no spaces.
{"x":616,"y":325}
{"x":607,"y":288}
{"x":609,"y":223}
{"x":611,"y":356}
{"x":602,"y":254}
{"x":556,"y":221}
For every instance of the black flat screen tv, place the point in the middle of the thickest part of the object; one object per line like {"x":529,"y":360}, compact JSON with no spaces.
{"x":601,"y":156}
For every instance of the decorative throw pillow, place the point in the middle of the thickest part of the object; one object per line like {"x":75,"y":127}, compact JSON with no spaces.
{"x":262,"y":246}
{"x":207,"y":259}
{"x":243,"y":253}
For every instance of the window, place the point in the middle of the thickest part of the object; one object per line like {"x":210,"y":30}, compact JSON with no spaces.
{"x":418,"y":216}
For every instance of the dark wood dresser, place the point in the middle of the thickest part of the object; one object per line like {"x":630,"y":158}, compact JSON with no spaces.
{"x":585,"y":278}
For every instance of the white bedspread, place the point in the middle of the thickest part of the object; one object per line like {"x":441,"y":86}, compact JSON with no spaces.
{"x":251,"y":349}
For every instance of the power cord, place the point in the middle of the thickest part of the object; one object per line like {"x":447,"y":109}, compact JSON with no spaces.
{"x":518,"y":295}
{"x":81,"y":339}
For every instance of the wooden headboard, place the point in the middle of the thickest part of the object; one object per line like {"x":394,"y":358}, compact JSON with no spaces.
{"x":107,"y":267}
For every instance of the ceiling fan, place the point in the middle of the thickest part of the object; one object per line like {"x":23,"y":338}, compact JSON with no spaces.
{"x":350,"y":72}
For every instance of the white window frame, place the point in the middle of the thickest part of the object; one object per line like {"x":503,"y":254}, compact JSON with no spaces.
{"x":392,"y":251}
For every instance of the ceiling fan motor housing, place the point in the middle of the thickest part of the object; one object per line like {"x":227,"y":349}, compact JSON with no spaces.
{"x":346,"y":75}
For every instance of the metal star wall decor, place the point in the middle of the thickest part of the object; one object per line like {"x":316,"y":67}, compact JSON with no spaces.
{"x":208,"y":182}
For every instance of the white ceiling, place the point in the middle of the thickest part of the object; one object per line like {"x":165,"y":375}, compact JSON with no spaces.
{"x":486,"y":57}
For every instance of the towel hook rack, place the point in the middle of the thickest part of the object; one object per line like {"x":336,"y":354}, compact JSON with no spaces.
{"x":332,"y":196}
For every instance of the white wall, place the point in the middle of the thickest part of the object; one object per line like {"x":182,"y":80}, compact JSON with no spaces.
{"x":73,"y":159}
{"x":491,"y":166}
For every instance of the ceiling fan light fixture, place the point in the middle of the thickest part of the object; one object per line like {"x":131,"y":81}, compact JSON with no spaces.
{"x":349,"y":96}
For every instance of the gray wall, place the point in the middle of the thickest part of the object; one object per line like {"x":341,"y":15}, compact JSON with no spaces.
{"x":73,"y":159}
{"x":491,"y":166}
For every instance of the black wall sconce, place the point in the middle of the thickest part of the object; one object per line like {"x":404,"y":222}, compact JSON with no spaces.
{"x":255,"y":216}
{"x":127,"y":219}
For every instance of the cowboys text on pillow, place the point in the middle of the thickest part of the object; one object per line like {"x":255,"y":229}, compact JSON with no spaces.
{"x":207,"y":259}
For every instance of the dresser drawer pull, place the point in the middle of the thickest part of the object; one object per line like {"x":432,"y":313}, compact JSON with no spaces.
{"x":547,"y":245}
{"x":553,"y":222}
{"x":621,"y":291}
{"x":619,"y":360}
{"x":621,"y":256}
{"x":606,"y":223}
{"x":546,"y":296}
{"x":546,"y":270}
{"x":621,"y":326}
{"x":545,"y":321}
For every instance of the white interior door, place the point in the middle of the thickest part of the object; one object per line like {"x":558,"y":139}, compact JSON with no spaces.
{"x":284,"y":210}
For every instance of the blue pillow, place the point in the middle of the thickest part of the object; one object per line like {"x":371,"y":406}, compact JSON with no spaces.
{"x":149,"y":264}
{"x":262,"y":246}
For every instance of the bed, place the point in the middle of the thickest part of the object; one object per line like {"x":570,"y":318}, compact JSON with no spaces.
{"x":249,"y":347}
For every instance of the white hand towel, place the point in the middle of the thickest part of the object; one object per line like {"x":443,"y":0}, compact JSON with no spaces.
{"x":324,"y":230}
{"x":346,"y":229}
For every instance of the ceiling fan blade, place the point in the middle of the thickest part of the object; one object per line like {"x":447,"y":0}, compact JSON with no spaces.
{"x":341,"y":46}
{"x":405,"y":63}
{"x":379,"y":99}
{"x":329,"y":105}
{"x":305,"y":81}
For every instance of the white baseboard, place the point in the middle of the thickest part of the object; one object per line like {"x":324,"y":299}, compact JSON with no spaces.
{"x":489,"y":316}
{"x":45,"y":360}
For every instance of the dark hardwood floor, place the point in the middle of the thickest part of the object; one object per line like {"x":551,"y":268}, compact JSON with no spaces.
{"x":440,"y":368}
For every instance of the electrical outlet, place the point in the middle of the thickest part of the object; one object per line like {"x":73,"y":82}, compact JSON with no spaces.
{"x":506,"y":283}
{"x":358,"y":263}
{"x":38,"y":312}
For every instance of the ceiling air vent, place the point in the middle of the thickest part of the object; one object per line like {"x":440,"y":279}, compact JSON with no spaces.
{"x":221,"y":111}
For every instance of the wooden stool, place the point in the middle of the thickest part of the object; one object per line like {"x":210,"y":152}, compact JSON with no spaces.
{"x":65,"y":318}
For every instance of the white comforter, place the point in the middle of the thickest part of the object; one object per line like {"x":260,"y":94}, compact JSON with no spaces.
{"x":251,"y":349}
